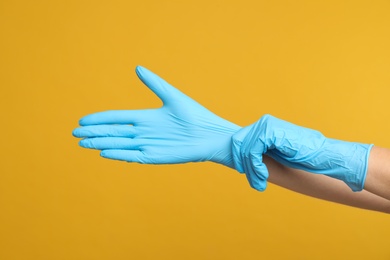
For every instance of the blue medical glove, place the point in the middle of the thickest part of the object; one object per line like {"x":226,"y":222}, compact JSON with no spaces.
{"x":300,"y":148}
{"x":180,"y":131}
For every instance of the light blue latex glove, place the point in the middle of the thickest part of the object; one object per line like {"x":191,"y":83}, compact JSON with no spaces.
{"x":180,"y":131}
{"x":300,"y":148}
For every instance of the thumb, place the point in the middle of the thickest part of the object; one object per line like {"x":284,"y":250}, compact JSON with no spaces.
{"x":259,"y":172}
{"x":159,"y":86}
{"x":238,"y":146}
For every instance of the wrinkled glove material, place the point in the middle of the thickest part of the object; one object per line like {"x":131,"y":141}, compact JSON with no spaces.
{"x":297,"y":147}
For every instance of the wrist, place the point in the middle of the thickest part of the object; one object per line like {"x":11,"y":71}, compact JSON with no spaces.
{"x":222,"y":151}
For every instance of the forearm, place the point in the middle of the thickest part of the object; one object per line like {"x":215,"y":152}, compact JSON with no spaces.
{"x":323,"y":187}
{"x":378,"y":174}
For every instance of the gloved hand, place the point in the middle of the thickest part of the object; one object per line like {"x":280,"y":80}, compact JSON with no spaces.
{"x":180,"y":131}
{"x":297,"y":147}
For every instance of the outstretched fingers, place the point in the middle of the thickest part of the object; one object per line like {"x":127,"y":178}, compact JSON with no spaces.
{"x":102,"y":143}
{"x":105,"y":131}
{"x":116,"y":117}
{"x":126,"y":155}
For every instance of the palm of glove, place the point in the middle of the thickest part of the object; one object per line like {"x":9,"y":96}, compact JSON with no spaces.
{"x":180,"y":131}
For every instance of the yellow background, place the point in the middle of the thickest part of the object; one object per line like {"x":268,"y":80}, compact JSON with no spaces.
{"x":322,"y":64}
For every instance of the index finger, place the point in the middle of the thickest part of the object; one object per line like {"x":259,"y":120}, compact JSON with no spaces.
{"x":116,"y":117}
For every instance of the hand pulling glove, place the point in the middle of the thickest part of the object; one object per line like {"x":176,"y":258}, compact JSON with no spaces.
{"x":180,"y":131}
{"x":300,"y":148}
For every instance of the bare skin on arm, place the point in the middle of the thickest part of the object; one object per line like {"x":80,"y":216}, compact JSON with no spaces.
{"x":323,"y":187}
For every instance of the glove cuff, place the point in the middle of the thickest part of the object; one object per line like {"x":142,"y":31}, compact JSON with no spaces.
{"x":357,"y":181}
{"x":348,"y":162}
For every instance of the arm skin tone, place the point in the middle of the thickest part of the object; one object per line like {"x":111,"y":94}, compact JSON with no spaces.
{"x":326,"y":188}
